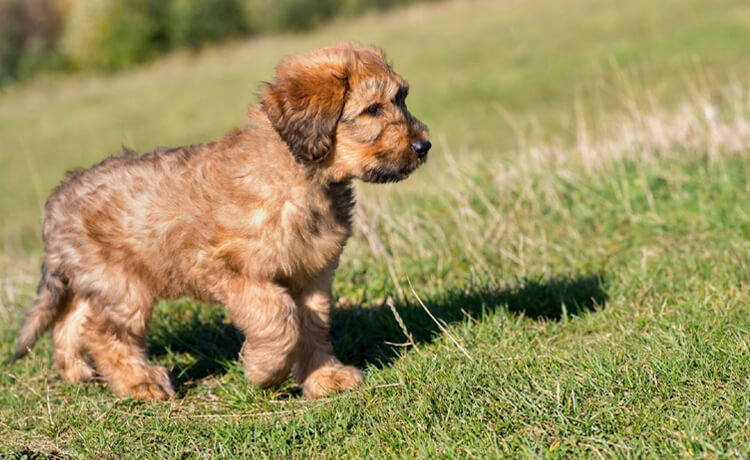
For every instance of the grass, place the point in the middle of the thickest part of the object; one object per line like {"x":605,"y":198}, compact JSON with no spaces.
{"x":589,"y":294}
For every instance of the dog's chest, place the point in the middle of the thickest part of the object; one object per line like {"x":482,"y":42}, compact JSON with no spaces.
{"x":305,"y":231}
{"x":324,"y":224}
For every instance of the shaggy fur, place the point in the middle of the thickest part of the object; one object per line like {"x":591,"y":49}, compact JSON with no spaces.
{"x":255,"y":221}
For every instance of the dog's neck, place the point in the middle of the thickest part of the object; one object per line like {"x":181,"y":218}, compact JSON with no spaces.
{"x":321,"y":172}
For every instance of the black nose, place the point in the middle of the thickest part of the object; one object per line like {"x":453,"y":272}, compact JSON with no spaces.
{"x":421,"y":147}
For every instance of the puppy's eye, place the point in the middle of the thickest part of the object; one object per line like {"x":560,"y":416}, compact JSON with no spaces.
{"x":373,"y":109}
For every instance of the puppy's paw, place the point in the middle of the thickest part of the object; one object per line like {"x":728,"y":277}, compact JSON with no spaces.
{"x":156,"y":386}
{"x":330,"y":379}
{"x":74,"y":370}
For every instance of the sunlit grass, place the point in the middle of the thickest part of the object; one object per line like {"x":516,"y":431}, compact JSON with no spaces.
{"x":582,"y":300}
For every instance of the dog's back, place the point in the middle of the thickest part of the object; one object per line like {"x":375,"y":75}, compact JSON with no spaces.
{"x":87,"y":220}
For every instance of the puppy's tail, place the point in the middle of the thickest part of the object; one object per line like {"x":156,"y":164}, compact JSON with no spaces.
{"x":50,"y":295}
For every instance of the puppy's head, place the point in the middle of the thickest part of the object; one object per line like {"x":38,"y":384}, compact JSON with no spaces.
{"x":343,"y":110}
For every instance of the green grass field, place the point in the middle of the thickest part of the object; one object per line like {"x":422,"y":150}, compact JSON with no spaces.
{"x":581,"y":235}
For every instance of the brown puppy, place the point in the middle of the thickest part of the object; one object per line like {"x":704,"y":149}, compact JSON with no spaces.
{"x":255,"y":221}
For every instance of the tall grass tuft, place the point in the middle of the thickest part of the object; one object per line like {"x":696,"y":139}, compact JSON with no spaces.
{"x":492,"y":218}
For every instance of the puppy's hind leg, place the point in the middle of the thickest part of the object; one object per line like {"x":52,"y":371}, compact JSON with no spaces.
{"x":70,"y":353}
{"x":115,"y":336}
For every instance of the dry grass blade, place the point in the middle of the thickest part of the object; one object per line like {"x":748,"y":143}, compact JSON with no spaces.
{"x":440,"y":326}
{"x":389,"y":302}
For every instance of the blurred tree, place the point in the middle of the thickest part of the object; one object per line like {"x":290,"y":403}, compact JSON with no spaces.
{"x":194,"y":23}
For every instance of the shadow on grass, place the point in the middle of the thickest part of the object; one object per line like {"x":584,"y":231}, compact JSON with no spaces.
{"x":360,"y":334}
{"x":195,"y":340}
{"x":199,"y":341}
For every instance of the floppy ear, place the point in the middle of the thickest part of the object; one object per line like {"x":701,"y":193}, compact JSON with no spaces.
{"x":305,"y":101}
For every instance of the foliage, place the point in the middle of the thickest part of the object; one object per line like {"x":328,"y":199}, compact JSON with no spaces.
{"x":273,"y":16}
{"x":108,"y":35}
{"x":193,"y":23}
{"x":29,"y":31}
{"x":115,"y":34}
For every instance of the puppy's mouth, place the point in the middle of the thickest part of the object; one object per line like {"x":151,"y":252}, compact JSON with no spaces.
{"x":388,"y":173}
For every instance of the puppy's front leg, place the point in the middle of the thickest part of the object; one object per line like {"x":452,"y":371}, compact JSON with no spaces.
{"x":267,"y":315}
{"x":319,"y":372}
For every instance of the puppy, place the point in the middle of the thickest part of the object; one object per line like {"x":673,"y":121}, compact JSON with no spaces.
{"x":255,"y":221}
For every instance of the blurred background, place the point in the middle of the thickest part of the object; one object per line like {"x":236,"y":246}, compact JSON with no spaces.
{"x":110,"y":35}
{"x":80,"y":78}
